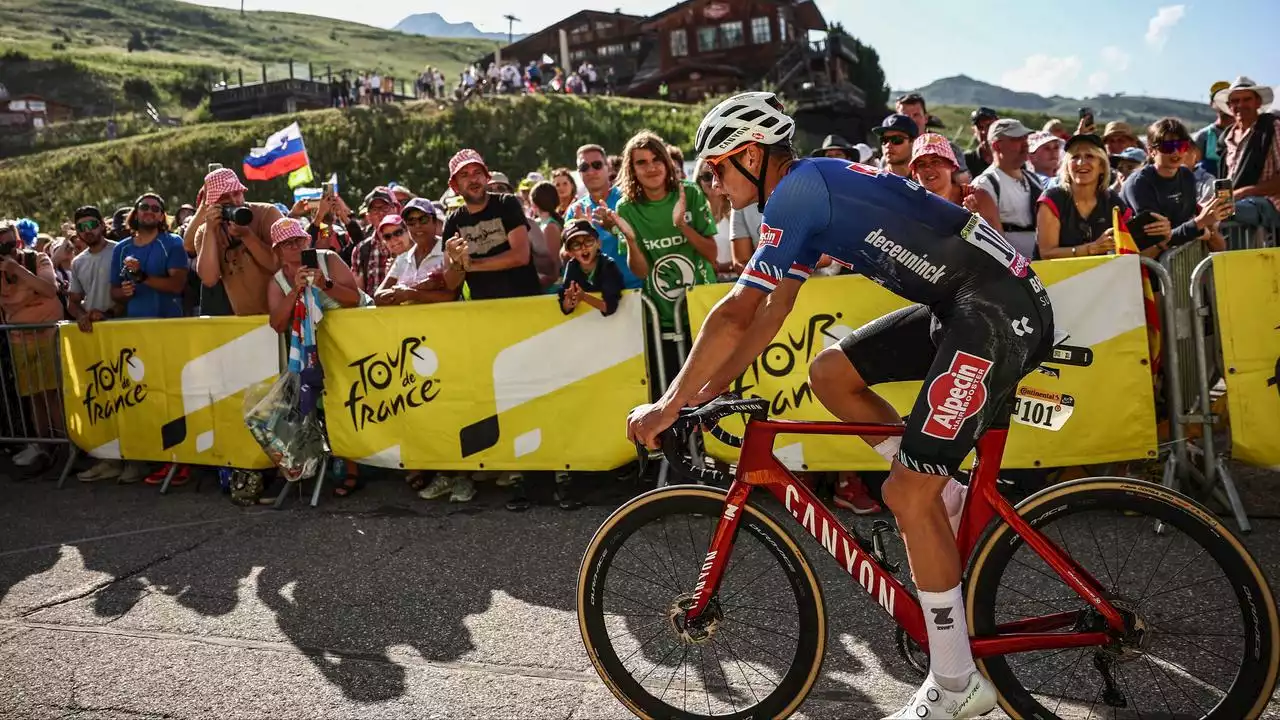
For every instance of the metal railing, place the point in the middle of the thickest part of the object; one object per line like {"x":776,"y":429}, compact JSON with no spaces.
{"x":31,"y":395}
{"x":1179,"y":263}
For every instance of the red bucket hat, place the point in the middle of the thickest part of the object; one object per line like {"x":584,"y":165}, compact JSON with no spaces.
{"x":464,"y":158}
{"x":287,"y":228}
{"x":932,"y":144}
{"x":220,"y":182}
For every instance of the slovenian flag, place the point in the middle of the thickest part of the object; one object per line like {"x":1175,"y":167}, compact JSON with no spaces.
{"x":284,"y":153}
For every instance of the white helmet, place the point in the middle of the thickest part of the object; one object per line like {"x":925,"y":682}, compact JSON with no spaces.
{"x":745,"y":118}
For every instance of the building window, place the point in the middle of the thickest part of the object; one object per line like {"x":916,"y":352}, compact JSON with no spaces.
{"x":602,"y":26}
{"x":578,"y":55}
{"x":679,"y":43}
{"x":612,"y":50}
{"x":761,"y":33}
{"x":782,"y":24}
{"x":731,"y":34}
{"x":635,"y":46}
{"x":581,"y":29}
{"x":707,"y":39}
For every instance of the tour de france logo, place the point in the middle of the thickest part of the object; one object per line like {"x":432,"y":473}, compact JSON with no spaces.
{"x":114,"y":385}
{"x":787,"y":353}
{"x":672,"y":276}
{"x":388,"y":384}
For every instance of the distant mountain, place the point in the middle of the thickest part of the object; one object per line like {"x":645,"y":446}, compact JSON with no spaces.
{"x":964,"y":90}
{"x":433,"y":25}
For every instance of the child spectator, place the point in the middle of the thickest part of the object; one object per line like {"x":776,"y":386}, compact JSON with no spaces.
{"x":588,"y":271}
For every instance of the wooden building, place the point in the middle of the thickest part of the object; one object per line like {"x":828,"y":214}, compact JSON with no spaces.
{"x":704,"y":48}
{"x":32,"y":111}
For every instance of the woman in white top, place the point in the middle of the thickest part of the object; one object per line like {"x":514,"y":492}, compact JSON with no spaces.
{"x":421,"y":272}
{"x":336,"y":282}
{"x":726,"y":269}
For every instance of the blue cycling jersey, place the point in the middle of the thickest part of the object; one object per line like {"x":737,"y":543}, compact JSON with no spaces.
{"x":881,"y":225}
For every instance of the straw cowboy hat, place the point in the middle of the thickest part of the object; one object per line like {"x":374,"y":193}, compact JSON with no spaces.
{"x":1265,"y":94}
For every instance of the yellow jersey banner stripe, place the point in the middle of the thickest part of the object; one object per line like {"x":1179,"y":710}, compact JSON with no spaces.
{"x":1248,"y":297}
{"x":493,"y":385}
{"x":175,"y":395}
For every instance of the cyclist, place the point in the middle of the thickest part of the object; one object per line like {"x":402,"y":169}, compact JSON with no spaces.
{"x":982,"y":321}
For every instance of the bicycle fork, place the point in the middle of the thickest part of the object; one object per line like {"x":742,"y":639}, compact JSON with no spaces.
{"x":696,"y":617}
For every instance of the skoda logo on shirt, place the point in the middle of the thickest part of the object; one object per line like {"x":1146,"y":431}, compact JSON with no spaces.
{"x":672,"y":275}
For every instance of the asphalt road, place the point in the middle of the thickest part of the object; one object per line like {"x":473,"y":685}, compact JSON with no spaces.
{"x":118,"y":603}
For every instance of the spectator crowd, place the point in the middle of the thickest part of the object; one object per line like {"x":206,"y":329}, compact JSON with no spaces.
{"x":583,"y":233}
{"x":373,"y":87}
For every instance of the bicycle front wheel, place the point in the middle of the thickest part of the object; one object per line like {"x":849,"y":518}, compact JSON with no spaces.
{"x":1204,"y":643}
{"x":763,"y":647}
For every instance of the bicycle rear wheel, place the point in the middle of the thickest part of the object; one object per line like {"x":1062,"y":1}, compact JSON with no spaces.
{"x":1208,"y":641}
{"x":768,"y":630}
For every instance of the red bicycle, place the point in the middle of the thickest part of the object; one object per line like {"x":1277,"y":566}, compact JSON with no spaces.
{"x":694,"y":602}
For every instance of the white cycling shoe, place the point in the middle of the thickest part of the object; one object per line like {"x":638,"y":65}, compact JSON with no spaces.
{"x":932,"y":701}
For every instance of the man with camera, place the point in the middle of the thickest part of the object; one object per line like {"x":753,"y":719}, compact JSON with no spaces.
{"x":149,"y":267}
{"x":232,"y":243}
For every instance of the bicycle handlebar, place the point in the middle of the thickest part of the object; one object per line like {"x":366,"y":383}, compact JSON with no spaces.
{"x":675,"y":438}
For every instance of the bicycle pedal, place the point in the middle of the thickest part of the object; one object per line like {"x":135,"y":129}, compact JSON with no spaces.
{"x":878,"y":529}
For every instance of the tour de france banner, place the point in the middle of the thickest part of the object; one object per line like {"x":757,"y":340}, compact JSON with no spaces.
{"x":1067,"y":415}
{"x":492,"y":385}
{"x":1247,"y":286}
{"x":167,"y":390}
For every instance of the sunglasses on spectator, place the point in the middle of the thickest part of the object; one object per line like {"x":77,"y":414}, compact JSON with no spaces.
{"x":418,"y":219}
{"x":593,"y":165}
{"x":573,"y":245}
{"x":393,"y":235}
{"x":149,"y":207}
{"x":893,"y":139}
{"x":87,"y":225}
{"x":1173,"y":146}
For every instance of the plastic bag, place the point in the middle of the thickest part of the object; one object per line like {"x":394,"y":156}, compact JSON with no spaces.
{"x":293,"y":441}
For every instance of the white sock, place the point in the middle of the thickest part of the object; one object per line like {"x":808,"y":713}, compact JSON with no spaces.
{"x":888,"y":448}
{"x":953,"y":495}
{"x":950,"y":659}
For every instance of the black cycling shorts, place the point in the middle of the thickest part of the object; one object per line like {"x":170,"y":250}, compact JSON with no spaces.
{"x":970,"y":353}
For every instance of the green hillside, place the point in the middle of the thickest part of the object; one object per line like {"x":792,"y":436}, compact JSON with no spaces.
{"x":410,"y":144}
{"x":77,"y":51}
{"x":1137,"y":109}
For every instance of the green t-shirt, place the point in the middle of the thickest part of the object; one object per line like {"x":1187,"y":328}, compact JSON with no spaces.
{"x":674,"y":264}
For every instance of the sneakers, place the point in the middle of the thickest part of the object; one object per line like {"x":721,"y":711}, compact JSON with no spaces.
{"x":179,"y":477}
{"x":852,"y":495}
{"x":133,"y":472}
{"x":934,"y":701}
{"x":441,"y":486}
{"x":102,"y":470}
{"x":29,"y":455}
{"x":463,"y":490}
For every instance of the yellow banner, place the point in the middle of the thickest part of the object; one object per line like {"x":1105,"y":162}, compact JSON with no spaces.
{"x":167,"y":390}
{"x":493,"y":385}
{"x":1098,"y":301}
{"x":1247,"y":285}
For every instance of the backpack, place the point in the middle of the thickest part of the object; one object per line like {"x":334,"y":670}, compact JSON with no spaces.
{"x":1034,"y":192}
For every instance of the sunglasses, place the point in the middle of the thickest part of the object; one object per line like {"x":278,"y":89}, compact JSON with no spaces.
{"x":419,"y":220}
{"x":716,"y":164}
{"x":573,"y":245}
{"x":593,"y":165}
{"x":87,"y":225}
{"x":893,"y":139}
{"x":393,"y":235}
{"x":706,"y":177}
{"x":149,"y":207}
{"x":1173,"y":146}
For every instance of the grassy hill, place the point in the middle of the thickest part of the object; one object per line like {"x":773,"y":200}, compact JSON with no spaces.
{"x":76,"y":51}
{"x":410,"y":144}
{"x":966,"y":91}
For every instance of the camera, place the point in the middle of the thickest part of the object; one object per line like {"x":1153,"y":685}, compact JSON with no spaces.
{"x":242,"y":215}
{"x":8,"y":247}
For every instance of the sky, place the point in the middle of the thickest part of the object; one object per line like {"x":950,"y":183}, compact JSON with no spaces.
{"x":1137,"y":47}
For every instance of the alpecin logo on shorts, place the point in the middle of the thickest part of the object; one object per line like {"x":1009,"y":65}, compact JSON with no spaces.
{"x":956,"y":395}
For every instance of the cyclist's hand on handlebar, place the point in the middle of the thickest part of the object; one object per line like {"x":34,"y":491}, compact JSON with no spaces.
{"x":646,"y":423}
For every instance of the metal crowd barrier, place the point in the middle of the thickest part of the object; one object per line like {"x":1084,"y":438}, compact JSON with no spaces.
{"x":1247,"y":237}
{"x":1187,"y":385}
{"x":31,"y":390}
